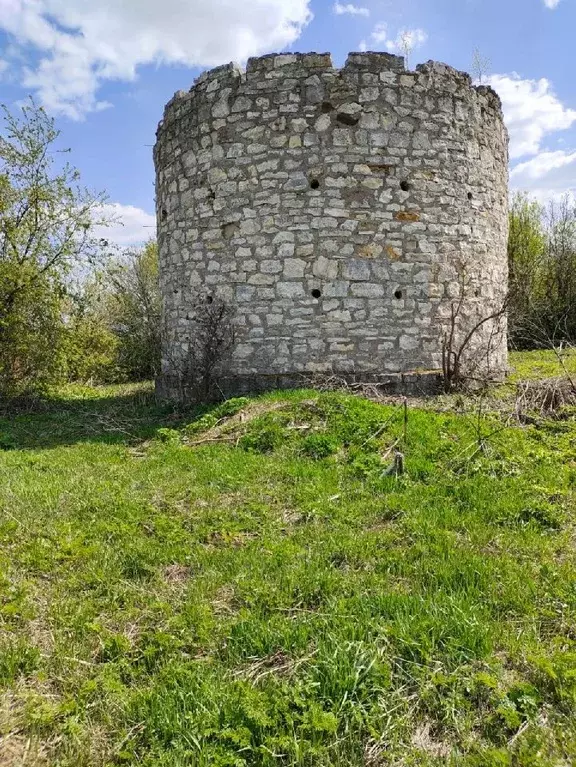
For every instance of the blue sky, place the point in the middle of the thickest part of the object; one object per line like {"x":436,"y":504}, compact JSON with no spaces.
{"x":105,"y":68}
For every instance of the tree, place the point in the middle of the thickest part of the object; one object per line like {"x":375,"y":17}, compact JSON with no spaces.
{"x":133,"y":307}
{"x":91,"y":350}
{"x":47,"y":222}
{"x":407,"y":45}
{"x":527,"y":268}
{"x":480,"y":65}
{"x":560,"y":221}
{"x":542,"y":261}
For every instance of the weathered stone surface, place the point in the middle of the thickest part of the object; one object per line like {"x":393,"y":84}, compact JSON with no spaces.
{"x":407,"y":215}
{"x":337,"y":211}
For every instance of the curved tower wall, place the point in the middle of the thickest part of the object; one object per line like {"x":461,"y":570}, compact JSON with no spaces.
{"x":343,"y":214}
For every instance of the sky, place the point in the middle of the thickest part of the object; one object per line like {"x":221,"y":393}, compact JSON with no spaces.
{"x":105,"y":68}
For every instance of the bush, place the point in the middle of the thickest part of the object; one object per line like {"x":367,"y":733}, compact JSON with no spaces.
{"x":91,"y":351}
{"x":264,"y":435}
{"x":319,"y":446}
{"x":32,"y":339}
{"x":132,"y":308}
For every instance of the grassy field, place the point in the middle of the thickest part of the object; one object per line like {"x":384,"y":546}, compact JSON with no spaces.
{"x":249,"y":587}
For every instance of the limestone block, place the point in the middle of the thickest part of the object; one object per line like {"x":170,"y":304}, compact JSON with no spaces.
{"x":290,"y":289}
{"x":294,"y":267}
{"x":356,"y":270}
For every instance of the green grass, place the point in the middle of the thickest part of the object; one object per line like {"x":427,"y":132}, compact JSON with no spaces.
{"x":544,"y":363}
{"x":247,"y":587}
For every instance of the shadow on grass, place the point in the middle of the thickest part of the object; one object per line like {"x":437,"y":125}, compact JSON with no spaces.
{"x":119,"y":417}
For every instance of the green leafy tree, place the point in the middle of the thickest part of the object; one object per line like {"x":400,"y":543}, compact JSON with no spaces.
{"x":542,"y":260}
{"x":560,"y":220}
{"x":91,"y":347}
{"x":47,"y":225}
{"x":133,"y":308}
{"x":528,"y":268}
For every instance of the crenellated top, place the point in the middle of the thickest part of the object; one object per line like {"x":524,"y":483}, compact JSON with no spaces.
{"x":286,"y":64}
{"x":375,"y":61}
{"x":284,"y":70}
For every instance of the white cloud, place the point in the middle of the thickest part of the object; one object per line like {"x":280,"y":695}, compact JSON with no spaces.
{"x":352,"y":10}
{"x":532,"y":111}
{"x":548,"y":175}
{"x":405,"y":41}
{"x":544,"y":164}
{"x":551,"y":3}
{"x":131,"y":226}
{"x":83,"y":42}
{"x":379,"y":34}
{"x":408,"y":40}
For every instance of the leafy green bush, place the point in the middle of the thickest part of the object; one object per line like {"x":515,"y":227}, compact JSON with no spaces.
{"x":318,"y":446}
{"x":132,"y":306}
{"x":32,"y":335}
{"x":91,"y":350}
{"x":171,"y":436}
{"x":364,"y":464}
{"x":6,"y":442}
{"x":230,"y":407}
{"x":264,"y":434}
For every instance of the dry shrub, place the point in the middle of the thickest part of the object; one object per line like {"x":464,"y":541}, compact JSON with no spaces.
{"x":546,"y":397}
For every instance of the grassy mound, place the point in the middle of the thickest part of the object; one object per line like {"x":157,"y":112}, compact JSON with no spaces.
{"x":251,"y":586}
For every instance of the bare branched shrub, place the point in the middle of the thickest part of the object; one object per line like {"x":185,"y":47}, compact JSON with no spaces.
{"x":480,"y":65}
{"x":467,"y":349}
{"x":546,"y":398}
{"x":209,"y":345}
{"x":407,"y":45}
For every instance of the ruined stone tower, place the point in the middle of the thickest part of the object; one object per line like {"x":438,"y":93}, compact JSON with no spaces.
{"x":348,"y":217}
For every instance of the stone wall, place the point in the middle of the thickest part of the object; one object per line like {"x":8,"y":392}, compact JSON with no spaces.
{"x":344,"y":214}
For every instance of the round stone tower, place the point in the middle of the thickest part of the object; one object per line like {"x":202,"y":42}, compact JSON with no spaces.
{"x":352,"y":222}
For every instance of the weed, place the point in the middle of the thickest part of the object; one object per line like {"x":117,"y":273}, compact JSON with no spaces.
{"x":318,"y":446}
{"x":168,"y":435}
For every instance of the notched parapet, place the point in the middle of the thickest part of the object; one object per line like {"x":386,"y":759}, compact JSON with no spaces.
{"x":215,"y":87}
{"x":175,"y":108}
{"x":444,"y":70}
{"x":374,"y":61}
{"x":445,"y":74}
{"x":226,"y":72}
{"x":278,"y":64}
{"x":491,"y":96}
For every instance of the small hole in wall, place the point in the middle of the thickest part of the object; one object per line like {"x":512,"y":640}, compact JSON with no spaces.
{"x":405,"y":185}
{"x":164,"y":214}
{"x":345,"y":119}
{"x":327,"y":107}
{"x":470,"y":196}
{"x":477,"y":293}
{"x":230,"y":230}
{"x":398,"y":294}
{"x":209,"y":300}
{"x":316,"y":293}
{"x":314,"y":184}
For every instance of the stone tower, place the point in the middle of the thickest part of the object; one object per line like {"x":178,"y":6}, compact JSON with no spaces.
{"x":348,"y":217}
